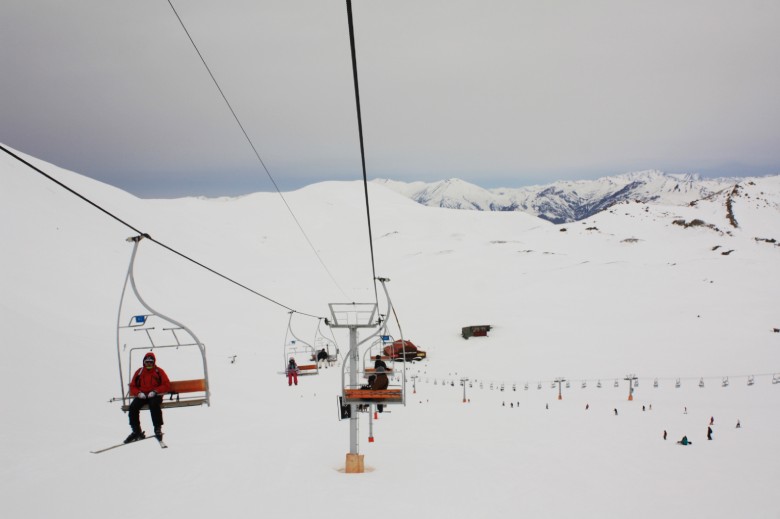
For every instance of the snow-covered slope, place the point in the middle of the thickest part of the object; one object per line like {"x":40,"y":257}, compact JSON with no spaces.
{"x":627,"y":291}
{"x":567,"y":201}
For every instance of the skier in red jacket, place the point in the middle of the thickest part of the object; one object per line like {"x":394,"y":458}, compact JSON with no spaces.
{"x":148,"y":386}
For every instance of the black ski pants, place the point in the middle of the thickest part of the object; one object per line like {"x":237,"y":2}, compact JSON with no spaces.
{"x":154,"y":410}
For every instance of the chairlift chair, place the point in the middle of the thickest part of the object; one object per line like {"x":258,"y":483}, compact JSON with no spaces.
{"x":725,"y":382}
{"x":677,"y":383}
{"x":329,"y":344}
{"x":140,"y":329}
{"x":598,"y":384}
{"x":302,"y":352}
{"x":655,"y":383}
{"x":616,"y":384}
{"x":701,"y":382}
{"x":751,"y":380}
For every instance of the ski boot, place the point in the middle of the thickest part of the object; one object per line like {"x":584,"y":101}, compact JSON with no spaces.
{"x":135,"y":436}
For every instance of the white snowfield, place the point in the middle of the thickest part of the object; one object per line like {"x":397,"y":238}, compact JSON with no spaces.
{"x":627,"y":292}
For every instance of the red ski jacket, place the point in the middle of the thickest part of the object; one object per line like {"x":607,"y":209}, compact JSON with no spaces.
{"x":152,"y":379}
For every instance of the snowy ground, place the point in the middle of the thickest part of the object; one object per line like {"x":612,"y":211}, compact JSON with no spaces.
{"x":625,"y":292}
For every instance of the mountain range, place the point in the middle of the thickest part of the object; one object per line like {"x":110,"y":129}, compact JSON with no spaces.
{"x":570,"y":200}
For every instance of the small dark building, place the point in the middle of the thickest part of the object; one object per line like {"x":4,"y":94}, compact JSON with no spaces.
{"x":475,"y":331}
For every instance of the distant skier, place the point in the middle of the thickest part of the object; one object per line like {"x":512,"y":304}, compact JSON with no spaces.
{"x":379,"y":363}
{"x":292,"y":372}
{"x":712,"y":420}
{"x":685,"y":441}
{"x":587,"y":406}
{"x":664,"y":434}
{"x":148,"y":386}
{"x":322,"y":357}
{"x":738,"y":425}
{"x":709,"y":433}
{"x":615,"y":411}
{"x":380,"y":383}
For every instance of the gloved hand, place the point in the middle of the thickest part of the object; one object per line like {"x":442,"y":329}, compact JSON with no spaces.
{"x":141,"y":395}
{"x":152,"y":393}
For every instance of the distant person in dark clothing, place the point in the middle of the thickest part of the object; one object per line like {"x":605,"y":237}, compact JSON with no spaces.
{"x":664,"y":434}
{"x":380,"y":383}
{"x":322,"y":357}
{"x":709,"y":433}
{"x":379,"y":363}
{"x":685,"y":441}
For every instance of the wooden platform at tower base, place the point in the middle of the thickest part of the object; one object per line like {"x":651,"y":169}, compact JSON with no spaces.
{"x":354,"y":464}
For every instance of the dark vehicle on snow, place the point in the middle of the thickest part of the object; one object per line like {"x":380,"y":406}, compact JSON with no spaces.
{"x":404,"y":350}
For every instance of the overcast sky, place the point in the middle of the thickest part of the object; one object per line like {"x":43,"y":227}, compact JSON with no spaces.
{"x":498,"y":93}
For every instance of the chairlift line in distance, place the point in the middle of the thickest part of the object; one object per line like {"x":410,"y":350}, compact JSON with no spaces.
{"x":158,"y":332}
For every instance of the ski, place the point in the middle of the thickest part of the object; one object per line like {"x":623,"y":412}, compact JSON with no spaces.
{"x":162,"y":444}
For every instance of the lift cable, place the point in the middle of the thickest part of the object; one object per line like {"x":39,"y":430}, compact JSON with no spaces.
{"x":360,"y":134}
{"x":147,"y":236}
{"x":254,"y":149}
